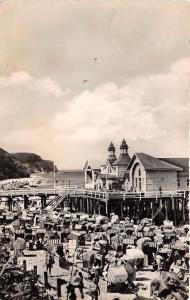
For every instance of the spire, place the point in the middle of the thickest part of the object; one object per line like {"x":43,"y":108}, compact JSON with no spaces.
{"x":111,"y":147}
{"x":124,"y":147}
{"x":111,"y":153}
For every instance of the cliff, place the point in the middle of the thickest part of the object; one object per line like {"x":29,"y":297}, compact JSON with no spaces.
{"x":19,"y":165}
{"x":10,"y":167}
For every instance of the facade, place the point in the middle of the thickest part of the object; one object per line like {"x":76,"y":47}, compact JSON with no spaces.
{"x":90,"y":174}
{"x":143,"y":173}
{"x":147,"y":174}
{"x":112,"y":174}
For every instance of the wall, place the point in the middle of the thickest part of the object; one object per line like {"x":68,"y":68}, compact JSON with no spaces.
{"x":182,"y":182}
{"x":167,"y":180}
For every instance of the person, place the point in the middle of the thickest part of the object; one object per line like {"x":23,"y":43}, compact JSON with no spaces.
{"x":49,"y":263}
{"x":78,"y":282}
{"x":155,"y":265}
{"x":94,"y":289}
{"x":71,"y":292}
{"x":81,"y":284}
{"x":67,"y":251}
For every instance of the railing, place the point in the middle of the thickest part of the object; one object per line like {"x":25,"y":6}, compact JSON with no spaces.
{"x":73,"y":190}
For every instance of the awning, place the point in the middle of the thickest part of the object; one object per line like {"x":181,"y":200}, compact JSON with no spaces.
{"x":133,"y":254}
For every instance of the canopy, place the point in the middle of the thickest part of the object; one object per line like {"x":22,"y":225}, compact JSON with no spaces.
{"x":102,"y":242}
{"x":75,"y":220}
{"x":88,"y":256}
{"x":101,"y":218}
{"x":130,"y":229}
{"x":105,"y":227}
{"x":141,"y":241}
{"x":84,"y":217}
{"x":114,"y":218}
{"x":20,"y":243}
{"x":133,"y":254}
{"x":184,"y":239}
{"x":187,"y":255}
{"x":74,"y":235}
{"x":91,"y":219}
{"x":181,"y":246}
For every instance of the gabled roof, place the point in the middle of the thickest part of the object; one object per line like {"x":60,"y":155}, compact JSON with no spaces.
{"x":123,"y":160}
{"x":182,"y":162}
{"x":153,"y":163}
{"x":90,"y":166}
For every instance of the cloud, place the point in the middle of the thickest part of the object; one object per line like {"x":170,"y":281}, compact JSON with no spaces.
{"x":61,"y":38}
{"x":146,"y":108}
{"x":27,"y":102}
{"x":151,"y":112}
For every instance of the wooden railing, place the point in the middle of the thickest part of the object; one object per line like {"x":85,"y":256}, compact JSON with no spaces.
{"x":105,"y":195}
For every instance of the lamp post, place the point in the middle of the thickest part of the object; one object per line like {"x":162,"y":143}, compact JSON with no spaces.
{"x":54,"y":177}
{"x":106,"y":180}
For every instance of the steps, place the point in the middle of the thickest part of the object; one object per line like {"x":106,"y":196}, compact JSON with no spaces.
{"x":54,"y":203}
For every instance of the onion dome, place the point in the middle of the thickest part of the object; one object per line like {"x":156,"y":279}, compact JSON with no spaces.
{"x":124,"y":145}
{"x":111,"y":147}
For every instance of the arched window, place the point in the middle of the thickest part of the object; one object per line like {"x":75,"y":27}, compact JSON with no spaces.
{"x":139,"y":172}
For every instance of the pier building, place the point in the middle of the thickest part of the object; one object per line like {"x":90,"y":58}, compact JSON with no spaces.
{"x":142,"y":173}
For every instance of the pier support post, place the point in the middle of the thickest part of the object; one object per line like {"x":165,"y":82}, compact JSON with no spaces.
{"x":99,"y":212}
{"x":59,"y":283}
{"x":106,"y":208}
{"x":46,"y":279}
{"x":87,"y":204}
{"x":174,"y":210}
{"x":26,"y":202}
{"x":183,"y":210}
{"x":166,"y":208}
{"x":121,"y":207}
{"x":24,"y":265}
{"x":43,"y":201}
{"x":94,"y":207}
{"x":10,"y":203}
{"x":35,"y":270}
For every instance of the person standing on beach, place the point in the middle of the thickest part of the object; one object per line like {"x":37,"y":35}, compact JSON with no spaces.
{"x":49,"y":263}
{"x":94,"y":289}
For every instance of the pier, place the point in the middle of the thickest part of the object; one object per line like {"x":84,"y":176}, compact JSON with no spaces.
{"x":159,"y":206}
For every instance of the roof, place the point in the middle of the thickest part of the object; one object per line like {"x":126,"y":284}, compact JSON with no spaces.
{"x":182,"y":162}
{"x":153,"y":163}
{"x":111,"y":147}
{"x":91,"y":166}
{"x":111,"y":159}
{"x":124,"y":145}
{"x":123,"y":160}
{"x":107,"y":176}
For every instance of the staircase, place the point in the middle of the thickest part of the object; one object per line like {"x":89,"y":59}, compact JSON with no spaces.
{"x":54,"y":203}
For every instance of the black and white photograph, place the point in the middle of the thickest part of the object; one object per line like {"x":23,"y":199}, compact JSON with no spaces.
{"x":94,"y":149}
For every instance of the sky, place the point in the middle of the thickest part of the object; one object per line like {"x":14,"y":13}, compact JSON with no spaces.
{"x":77,"y":74}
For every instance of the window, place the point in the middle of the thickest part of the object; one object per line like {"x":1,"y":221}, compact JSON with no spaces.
{"x":178,"y":183}
{"x":135,"y":181}
{"x":139,"y":184}
{"x":187,"y":182}
{"x":139,"y":172}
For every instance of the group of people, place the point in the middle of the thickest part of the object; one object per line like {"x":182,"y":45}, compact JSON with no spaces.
{"x":78,"y":283}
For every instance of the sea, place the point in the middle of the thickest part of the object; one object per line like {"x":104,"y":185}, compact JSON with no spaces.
{"x":64,"y":177}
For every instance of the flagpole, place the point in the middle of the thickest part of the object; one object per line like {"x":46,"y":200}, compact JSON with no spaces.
{"x":54,"y":176}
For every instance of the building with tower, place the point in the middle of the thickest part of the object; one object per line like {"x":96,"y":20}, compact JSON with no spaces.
{"x":113,"y":174}
{"x":141,"y":174}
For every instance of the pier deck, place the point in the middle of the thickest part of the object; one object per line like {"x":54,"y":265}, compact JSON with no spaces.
{"x":171,"y":205}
